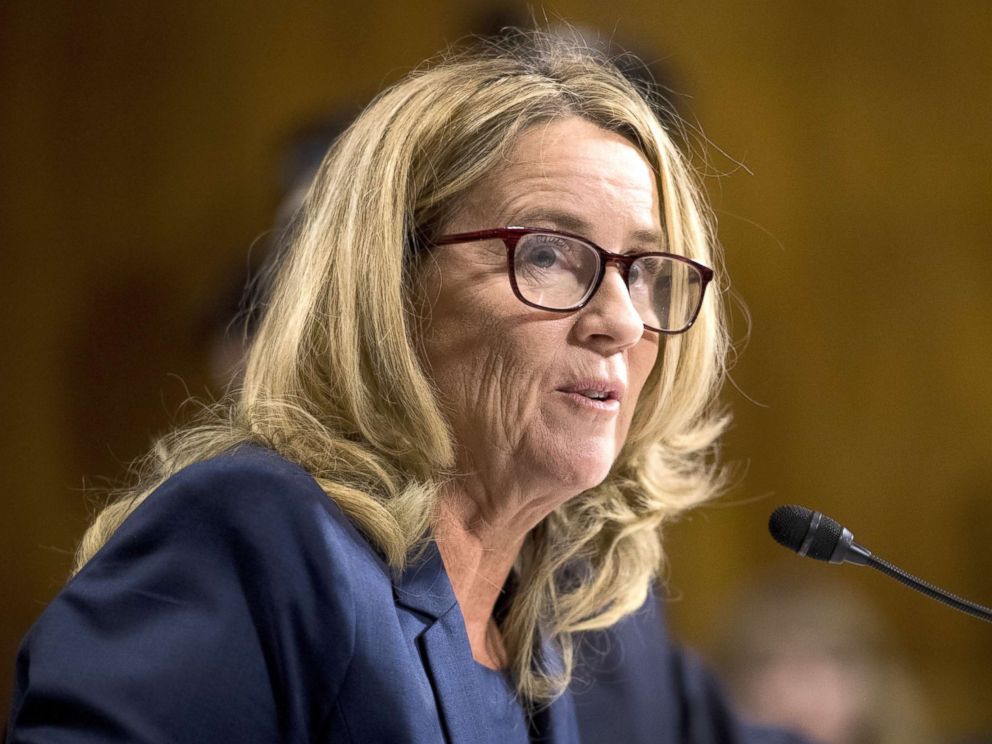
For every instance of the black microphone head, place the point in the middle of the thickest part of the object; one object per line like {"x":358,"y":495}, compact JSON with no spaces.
{"x":790,"y":526}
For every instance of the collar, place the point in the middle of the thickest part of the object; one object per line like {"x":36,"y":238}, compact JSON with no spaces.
{"x":424,"y":586}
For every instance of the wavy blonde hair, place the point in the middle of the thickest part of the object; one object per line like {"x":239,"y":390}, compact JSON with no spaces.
{"x":333,"y":379}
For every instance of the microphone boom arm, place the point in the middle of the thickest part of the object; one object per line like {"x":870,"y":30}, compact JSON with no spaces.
{"x":952,"y":600}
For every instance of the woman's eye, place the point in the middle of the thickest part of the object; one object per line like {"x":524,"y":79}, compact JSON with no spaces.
{"x":545,"y":252}
{"x":543,"y":257}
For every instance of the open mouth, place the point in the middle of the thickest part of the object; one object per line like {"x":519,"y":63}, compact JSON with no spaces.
{"x":596,"y":394}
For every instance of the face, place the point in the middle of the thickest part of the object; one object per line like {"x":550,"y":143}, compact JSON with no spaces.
{"x":519,"y":384}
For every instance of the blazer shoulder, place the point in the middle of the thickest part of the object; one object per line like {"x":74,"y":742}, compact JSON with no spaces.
{"x":251,"y":490}
{"x":247,"y":508}
{"x":248,"y":476}
{"x":229,"y":594}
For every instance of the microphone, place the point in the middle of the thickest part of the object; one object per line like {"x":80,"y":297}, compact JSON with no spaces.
{"x":816,"y":535}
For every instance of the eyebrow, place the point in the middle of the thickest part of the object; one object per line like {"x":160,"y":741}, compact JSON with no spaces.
{"x":570,"y":222}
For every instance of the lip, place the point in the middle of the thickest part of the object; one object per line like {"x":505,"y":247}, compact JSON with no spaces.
{"x":611,"y":390}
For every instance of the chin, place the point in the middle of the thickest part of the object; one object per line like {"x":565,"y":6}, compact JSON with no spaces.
{"x":585,"y":470}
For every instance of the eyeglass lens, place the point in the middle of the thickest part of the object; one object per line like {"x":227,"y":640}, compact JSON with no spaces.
{"x":558,"y":273}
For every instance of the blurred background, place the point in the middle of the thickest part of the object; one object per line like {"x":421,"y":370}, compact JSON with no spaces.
{"x":846,"y":146}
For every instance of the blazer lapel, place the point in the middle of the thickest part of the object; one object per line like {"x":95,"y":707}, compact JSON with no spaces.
{"x":443,"y":645}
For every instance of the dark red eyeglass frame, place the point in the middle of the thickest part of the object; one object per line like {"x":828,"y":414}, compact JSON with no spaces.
{"x":623,"y":261}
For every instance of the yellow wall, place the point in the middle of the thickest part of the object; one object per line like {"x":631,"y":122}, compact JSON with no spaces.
{"x":137,"y":153}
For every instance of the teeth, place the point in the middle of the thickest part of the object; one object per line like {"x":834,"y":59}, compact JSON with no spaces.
{"x":594,"y":394}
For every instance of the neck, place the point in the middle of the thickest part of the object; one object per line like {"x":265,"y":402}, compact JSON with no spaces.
{"x":478,"y":550}
{"x":483,"y":520}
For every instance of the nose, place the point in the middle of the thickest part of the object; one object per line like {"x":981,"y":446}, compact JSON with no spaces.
{"x":610,"y":321}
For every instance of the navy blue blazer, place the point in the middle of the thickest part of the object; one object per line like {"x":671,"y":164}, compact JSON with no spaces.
{"x":239,"y":604}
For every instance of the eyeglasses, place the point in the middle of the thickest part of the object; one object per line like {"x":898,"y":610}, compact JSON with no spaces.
{"x":559,"y":271}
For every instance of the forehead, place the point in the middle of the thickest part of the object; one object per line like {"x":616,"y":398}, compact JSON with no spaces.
{"x":571,"y":173}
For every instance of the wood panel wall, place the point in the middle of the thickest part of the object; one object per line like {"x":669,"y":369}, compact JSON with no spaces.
{"x":848,"y":160}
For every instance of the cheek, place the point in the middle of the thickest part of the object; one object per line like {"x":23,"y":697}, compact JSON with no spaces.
{"x":641,"y":361}
{"x":455,"y":329}
{"x":484,"y":360}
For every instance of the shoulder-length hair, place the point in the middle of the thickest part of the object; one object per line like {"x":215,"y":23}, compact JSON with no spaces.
{"x":334,"y":382}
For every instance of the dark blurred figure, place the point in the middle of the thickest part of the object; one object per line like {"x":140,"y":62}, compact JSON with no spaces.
{"x":231,"y":320}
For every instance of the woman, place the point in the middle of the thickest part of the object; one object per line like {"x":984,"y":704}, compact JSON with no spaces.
{"x":483,"y":382}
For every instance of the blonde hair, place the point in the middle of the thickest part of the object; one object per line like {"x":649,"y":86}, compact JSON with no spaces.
{"x":333,"y":380}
